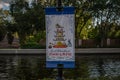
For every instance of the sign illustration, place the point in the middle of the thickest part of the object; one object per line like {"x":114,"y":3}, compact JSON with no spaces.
{"x":59,"y":41}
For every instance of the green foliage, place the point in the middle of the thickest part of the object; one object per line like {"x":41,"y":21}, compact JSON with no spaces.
{"x":83,"y":21}
{"x":39,"y":35}
{"x":114,"y":31}
{"x":105,"y":13}
{"x":28,"y":19}
{"x":2,"y":26}
{"x":33,"y":43}
{"x":93,"y":33}
{"x":2,"y":32}
{"x":47,"y":79}
{"x":117,"y":35}
{"x":31,"y":46}
{"x":10,"y":38}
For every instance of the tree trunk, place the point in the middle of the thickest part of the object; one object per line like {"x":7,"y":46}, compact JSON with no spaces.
{"x":22,"y":38}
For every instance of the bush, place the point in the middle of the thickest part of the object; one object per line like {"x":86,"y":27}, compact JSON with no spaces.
{"x":10,"y":38}
{"x":2,"y":33}
{"x":32,"y":46}
{"x":31,"y":43}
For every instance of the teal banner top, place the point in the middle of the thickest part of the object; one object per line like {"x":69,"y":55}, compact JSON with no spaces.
{"x":54,"y":10}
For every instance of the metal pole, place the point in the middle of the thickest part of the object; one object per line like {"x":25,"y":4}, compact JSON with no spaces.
{"x":59,"y":5}
{"x":60,"y":66}
{"x":60,"y":74}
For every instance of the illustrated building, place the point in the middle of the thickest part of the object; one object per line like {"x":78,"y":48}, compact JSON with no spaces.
{"x":59,"y":37}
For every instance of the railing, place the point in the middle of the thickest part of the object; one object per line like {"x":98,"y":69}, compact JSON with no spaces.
{"x":81,"y":51}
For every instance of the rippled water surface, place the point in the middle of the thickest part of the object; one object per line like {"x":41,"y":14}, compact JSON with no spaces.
{"x":32,"y":67}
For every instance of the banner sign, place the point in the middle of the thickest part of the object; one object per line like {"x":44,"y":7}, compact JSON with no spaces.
{"x":60,"y":47}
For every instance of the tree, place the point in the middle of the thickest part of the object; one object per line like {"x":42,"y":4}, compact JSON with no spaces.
{"x":104,"y":12}
{"x":10,"y":38}
{"x":114,"y":31}
{"x":18,"y":11}
{"x":82,"y":18}
{"x":28,"y":19}
{"x":2,"y":32}
{"x":2,"y":26}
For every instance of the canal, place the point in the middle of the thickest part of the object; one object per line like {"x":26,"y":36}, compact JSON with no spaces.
{"x":15,"y":66}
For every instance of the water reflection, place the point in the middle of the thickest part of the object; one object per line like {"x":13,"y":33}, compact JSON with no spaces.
{"x":104,"y":67}
{"x":33,"y":67}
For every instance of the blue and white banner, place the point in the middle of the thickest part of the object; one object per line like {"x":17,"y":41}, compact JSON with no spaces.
{"x":60,"y":47}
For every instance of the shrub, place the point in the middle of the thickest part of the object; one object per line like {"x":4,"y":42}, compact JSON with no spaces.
{"x":32,"y":46}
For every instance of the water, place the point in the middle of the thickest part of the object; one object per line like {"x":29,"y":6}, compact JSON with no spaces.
{"x":32,"y":67}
